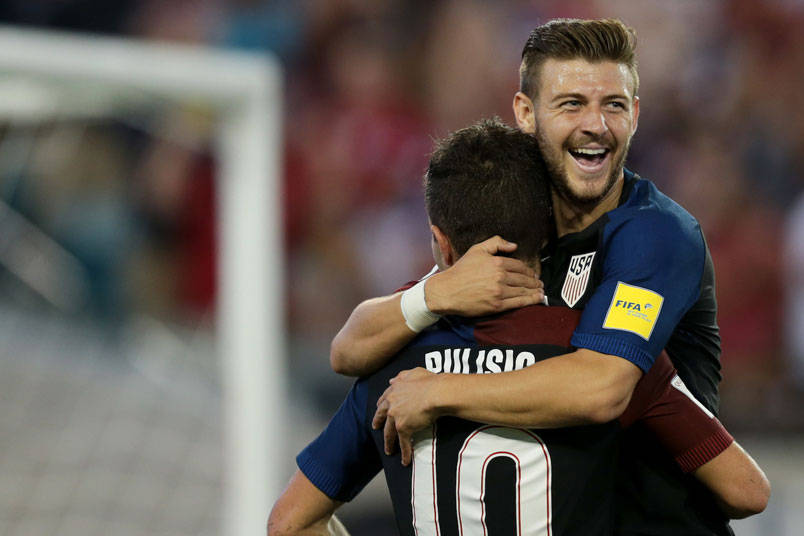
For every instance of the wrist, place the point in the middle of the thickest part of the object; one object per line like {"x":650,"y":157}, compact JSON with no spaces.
{"x":441,"y":402}
{"x":432,"y":298}
{"x":414,"y":307}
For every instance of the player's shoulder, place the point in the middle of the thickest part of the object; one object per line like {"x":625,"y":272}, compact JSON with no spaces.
{"x":449,"y":330}
{"x":648,"y":214}
{"x":535,"y":323}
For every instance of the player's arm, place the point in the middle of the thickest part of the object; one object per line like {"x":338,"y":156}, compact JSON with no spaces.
{"x":582,"y":387}
{"x":737,"y":482}
{"x":303,"y":509}
{"x":375,"y":330}
{"x":480,"y":282}
{"x":624,"y":326}
{"x":333,"y":469}
{"x":696,"y":439}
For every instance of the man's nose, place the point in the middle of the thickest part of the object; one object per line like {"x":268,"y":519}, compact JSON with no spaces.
{"x":593,"y":121}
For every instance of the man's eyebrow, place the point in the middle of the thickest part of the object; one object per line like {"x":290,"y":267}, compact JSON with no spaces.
{"x":582,"y":97}
{"x":577,"y":96}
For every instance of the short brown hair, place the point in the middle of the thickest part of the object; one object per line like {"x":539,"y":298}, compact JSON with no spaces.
{"x":592,"y":40}
{"x":490,"y":179}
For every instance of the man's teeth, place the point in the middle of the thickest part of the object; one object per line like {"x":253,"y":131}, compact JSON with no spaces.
{"x":591,"y":152}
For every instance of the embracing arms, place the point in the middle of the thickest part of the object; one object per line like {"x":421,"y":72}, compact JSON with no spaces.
{"x":480,"y":282}
{"x":583,"y":387}
{"x":691,"y":434}
{"x":374,"y":331}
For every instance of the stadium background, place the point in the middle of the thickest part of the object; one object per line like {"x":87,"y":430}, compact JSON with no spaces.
{"x":111,"y":419}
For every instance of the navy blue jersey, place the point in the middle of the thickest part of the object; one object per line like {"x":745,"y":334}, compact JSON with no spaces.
{"x":643,"y":275}
{"x":644,"y":278}
{"x":470,"y":478}
{"x":466,"y":476}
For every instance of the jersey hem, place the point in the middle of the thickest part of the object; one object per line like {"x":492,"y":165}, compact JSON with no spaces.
{"x":322,"y":479}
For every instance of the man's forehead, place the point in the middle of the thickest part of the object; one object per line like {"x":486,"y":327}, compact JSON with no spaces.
{"x":577,"y":75}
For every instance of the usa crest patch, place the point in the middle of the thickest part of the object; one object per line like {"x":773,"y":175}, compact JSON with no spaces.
{"x":580,"y":267}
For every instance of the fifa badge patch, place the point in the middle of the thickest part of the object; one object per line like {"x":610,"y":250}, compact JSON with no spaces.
{"x":577,"y":278}
{"x":633,"y":309}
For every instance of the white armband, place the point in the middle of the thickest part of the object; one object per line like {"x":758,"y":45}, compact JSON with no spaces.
{"x":414,"y":308}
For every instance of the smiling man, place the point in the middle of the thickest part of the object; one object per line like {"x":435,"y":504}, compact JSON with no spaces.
{"x":630,"y":257}
{"x":470,"y":478}
{"x":587,"y":118}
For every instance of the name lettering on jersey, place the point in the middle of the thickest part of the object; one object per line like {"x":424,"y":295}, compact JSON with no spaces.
{"x":577,"y":278}
{"x":633,"y":309}
{"x":477,"y":360}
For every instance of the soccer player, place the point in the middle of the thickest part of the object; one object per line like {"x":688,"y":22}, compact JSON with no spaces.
{"x":631,"y":258}
{"x":467,"y":477}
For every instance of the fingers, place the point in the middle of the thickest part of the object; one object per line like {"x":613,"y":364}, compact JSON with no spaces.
{"x":495,"y":244}
{"x":522,"y":301}
{"x":381,"y":414}
{"x":402,"y":375}
{"x":406,"y":446}
{"x":389,"y":436}
{"x":515,"y":279}
{"x":515,"y":266}
{"x":507,"y":292}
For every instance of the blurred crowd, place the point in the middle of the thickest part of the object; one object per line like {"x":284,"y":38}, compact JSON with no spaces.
{"x":370,"y":84}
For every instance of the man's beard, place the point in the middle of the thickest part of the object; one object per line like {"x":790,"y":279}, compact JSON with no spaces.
{"x":560,"y":180}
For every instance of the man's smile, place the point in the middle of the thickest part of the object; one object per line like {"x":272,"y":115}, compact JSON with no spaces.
{"x":590,"y":160}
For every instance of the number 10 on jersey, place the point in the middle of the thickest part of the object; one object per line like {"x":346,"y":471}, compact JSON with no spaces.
{"x":529,"y":491}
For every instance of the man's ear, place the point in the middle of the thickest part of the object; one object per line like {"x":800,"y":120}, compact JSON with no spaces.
{"x":636,"y":115}
{"x":524,"y":113}
{"x":444,"y":246}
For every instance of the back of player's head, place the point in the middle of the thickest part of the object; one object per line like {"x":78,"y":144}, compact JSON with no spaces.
{"x":566,"y":39}
{"x":489,"y":179}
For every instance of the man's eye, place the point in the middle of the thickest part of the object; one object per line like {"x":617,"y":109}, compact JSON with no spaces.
{"x":571,"y":104}
{"x":617,"y":104}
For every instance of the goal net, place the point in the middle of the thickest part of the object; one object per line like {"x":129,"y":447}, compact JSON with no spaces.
{"x":136,"y":423}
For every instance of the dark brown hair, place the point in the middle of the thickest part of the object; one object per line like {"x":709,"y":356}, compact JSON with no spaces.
{"x":489,"y":179}
{"x":592,"y":40}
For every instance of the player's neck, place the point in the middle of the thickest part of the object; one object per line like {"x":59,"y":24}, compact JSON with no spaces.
{"x":571,"y":218}
{"x":535,"y":264}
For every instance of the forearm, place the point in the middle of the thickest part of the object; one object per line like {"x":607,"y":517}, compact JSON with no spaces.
{"x":316,"y":528}
{"x":478,"y":283}
{"x":738,"y":484}
{"x":374,"y":332}
{"x":574,"y":389}
{"x":302,"y":510}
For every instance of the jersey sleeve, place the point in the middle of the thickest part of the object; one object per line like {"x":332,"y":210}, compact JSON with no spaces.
{"x":663,"y":405}
{"x":343,"y":459}
{"x":651,"y":275}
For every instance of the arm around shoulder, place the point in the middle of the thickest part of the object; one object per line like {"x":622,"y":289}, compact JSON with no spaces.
{"x":583,"y":387}
{"x":374,"y":332}
{"x":480,"y":282}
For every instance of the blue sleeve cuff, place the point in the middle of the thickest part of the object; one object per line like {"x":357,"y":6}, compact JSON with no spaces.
{"x":609,"y":345}
{"x":330,"y":485}
{"x":343,"y":458}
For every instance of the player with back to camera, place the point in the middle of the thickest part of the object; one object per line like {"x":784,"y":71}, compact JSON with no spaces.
{"x":631,"y":258}
{"x":484,"y":180}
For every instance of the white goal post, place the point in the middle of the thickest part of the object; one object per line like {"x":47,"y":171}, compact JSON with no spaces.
{"x":36,"y":67}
